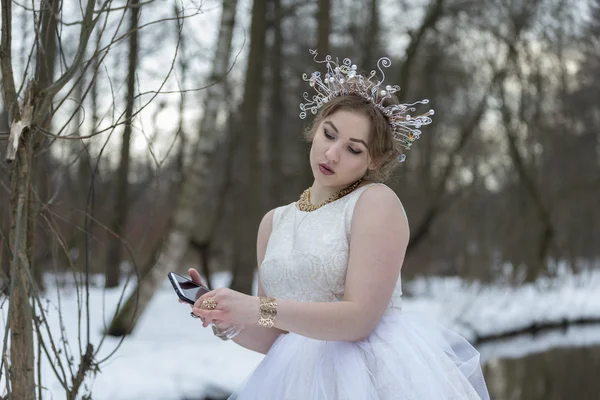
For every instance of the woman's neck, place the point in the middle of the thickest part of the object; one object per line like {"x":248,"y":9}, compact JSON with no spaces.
{"x":319,"y":194}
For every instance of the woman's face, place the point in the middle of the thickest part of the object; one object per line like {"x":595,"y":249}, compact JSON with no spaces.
{"x":339,"y":154}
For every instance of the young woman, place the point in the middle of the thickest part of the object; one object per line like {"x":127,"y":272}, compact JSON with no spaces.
{"x":328,"y":311}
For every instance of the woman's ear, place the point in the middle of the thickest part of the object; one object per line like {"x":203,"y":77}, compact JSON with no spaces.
{"x":375,"y":164}
{"x":372,"y":165}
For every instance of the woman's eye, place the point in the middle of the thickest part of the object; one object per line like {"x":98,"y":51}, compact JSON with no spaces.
{"x":329,"y":137}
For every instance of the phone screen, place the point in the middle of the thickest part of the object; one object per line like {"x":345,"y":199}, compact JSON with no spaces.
{"x":187,"y":288}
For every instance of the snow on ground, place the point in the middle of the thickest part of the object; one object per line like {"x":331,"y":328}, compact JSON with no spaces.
{"x":517,"y":347}
{"x":475,"y":310}
{"x":170,"y":356}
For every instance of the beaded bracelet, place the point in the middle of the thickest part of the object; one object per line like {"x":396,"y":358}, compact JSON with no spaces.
{"x":227,"y":333}
{"x":268,"y":312}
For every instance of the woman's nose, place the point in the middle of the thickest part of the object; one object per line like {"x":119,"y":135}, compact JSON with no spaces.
{"x":333,"y":154}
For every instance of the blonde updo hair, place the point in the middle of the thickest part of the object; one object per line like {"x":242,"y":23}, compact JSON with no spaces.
{"x":383,"y":149}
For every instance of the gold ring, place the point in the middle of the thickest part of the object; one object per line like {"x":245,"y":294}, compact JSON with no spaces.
{"x":209,"y":304}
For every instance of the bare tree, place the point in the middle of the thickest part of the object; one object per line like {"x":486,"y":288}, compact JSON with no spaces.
{"x":121,"y":203}
{"x":246,"y":177}
{"x":194,"y":182}
{"x":30,"y":136}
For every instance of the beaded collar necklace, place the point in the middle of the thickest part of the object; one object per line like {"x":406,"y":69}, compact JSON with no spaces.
{"x":304,"y":201}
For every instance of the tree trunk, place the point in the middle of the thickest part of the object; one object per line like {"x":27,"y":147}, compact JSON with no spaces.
{"x":21,"y":329}
{"x":81,"y":153}
{"x":277,"y":115}
{"x":4,"y":264}
{"x":86,"y":176}
{"x":371,"y":46}
{"x":20,"y":314}
{"x":85,"y":204}
{"x":46,"y":52}
{"x":20,"y":150}
{"x":439,"y":201}
{"x":41,"y":163}
{"x":546,"y":231}
{"x":193,"y":185}
{"x":246,"y":180}
{"x":181,"y":135}
{"x":4,"y":204}
{"x":121,"y":204}
{"x":434,"y":12}
{"x":323,"y":27}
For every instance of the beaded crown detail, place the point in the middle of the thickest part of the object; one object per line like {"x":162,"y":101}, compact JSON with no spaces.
{"x":343,"y":79}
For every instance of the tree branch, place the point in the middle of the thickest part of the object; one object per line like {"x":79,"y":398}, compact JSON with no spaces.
{"x":87,"y":26}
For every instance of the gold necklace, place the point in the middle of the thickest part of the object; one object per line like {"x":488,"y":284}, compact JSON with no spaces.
{"x":304,"y":201}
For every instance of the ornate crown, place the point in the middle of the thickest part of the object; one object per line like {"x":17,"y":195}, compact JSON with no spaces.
{"x":343,"y":79}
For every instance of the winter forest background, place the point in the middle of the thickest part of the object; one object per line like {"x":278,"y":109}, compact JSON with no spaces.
{"x":142,"y":137}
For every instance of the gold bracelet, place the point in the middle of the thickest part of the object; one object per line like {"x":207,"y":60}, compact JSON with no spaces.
{"x":268,"y":312}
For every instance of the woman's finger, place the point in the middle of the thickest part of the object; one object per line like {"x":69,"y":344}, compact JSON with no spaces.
{"x":200,"y":318}
{"x":209,"y":315}
{"x":195,"y":276}
{"x":198,"y":303}
{"x":205,"y":321}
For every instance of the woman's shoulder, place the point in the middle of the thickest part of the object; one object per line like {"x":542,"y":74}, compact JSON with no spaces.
{"x":367,"y":184}
{"x":375,"y":197}
{"x":378,"y":208}
{"x":270,"y":219}
{"x":376,"y":191}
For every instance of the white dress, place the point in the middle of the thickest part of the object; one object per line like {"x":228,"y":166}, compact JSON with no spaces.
{"x":403,"y":358}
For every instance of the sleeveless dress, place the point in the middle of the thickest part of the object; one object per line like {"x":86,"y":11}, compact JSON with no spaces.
{"x":403,"y":358}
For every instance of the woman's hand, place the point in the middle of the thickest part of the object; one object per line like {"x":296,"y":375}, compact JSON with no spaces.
{"x":231,"y":308}
{"x":195,"y":277}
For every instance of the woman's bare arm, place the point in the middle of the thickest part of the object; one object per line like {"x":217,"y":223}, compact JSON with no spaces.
{"x":378,"y":241}
{"x":379,"y":237}
{"x":254,"y":337}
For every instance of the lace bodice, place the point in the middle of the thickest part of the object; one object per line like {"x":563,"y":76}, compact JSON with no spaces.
{"x":307,"y":253}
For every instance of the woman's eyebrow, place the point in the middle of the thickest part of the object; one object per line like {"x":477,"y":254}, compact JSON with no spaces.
{"x":352,"y":139}
{"x":333,"y":126}
{"x":359,"y":141}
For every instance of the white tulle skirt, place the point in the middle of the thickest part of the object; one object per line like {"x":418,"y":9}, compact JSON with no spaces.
{"x":404,"y":358}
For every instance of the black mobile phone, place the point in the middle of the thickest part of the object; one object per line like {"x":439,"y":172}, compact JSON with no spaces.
{"x":187,"y":290}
